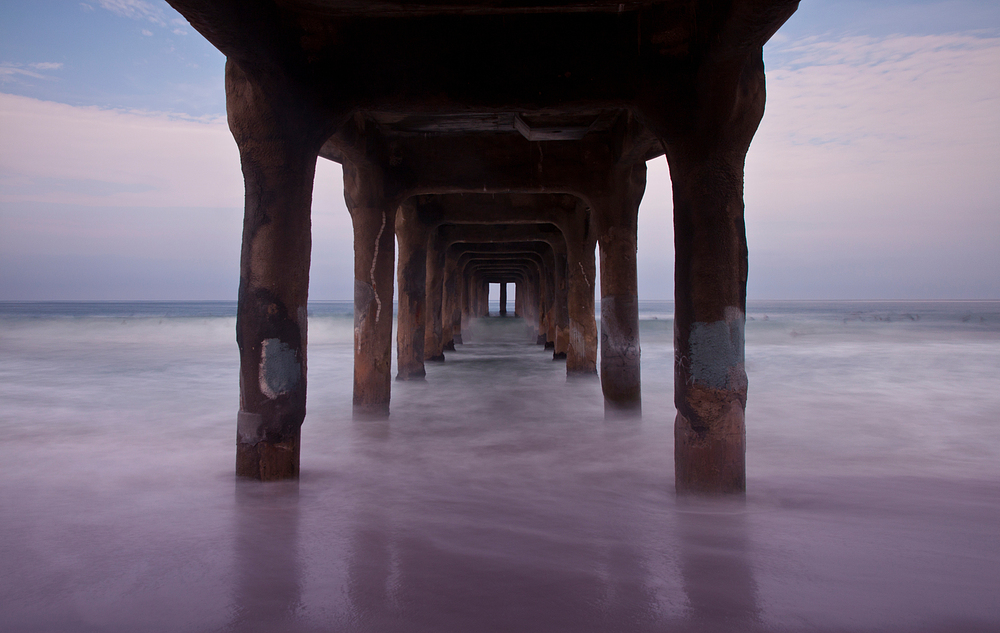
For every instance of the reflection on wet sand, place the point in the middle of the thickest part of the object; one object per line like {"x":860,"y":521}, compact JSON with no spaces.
{"x":268,"y":592}
{"x":416,"y":584}
{"x":543,"y":577}
{"x":499,"y":516}
{"x":714,"y":562}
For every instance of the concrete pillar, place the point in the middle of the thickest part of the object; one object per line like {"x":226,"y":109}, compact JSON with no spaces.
{"x":546,"y":302}
{"x":466,"y":300}
{"x":581,"y":355}
{"x":451,"y":324}
{"x":533,"y":302}
{"x":470,"y":298}
{"x":373,"y":212}
{"x":710,"y":382}
{"x":540,"y":309}
{"x":477,"y":302}
{"x":616,"y":215}
{"x":503,"y":299}
{"x":434,"y":321}
{"x":710,"y":276}
{"x":278,"y":153}
{"x":561,"y":311}
{"x":412,"y":236}
{"x":550,"y":295}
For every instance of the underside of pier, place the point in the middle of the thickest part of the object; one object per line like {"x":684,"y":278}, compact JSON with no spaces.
{"x":495,"y":142}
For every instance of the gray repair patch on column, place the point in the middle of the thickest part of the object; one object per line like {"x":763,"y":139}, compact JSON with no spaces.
{"x":280,"y":370}
{"x":715,"y":351}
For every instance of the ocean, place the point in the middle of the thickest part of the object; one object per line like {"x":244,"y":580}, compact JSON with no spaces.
{"x":496,"y":497}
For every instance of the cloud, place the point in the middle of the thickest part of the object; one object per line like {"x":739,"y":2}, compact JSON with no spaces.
{"x":58,"y":153}
{"x":874,"y":154}
{"x":880,"y":129}
{"x":147,"y":32}
{"x":135,"y":9}
{"x":878,"y":150}
{"x":872,"y":173}
{"x":89,"y":197}
{"x":12,"y":72}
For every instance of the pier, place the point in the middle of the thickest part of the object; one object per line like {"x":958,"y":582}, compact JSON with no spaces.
{"x":495,"y":142}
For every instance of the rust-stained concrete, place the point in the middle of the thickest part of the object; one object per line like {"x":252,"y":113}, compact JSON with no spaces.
{"x":444,"y":98}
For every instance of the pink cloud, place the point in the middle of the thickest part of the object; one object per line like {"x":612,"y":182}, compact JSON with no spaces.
{"x":143,"y":159}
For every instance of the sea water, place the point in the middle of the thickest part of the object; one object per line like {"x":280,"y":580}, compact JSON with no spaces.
{"x":496,"y":497}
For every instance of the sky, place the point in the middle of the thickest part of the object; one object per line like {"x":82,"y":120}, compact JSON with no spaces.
{"x":872,"y":176}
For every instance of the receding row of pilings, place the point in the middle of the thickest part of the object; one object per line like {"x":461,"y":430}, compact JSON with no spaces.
{"x":475,"y":205}
{"x":545,"y":240}
{"x":453,"y":246}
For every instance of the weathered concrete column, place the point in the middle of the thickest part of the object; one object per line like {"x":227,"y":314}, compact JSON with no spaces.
{"x":278,"y":148}
{"x":551,"y":304}
{"x":541,"y":307}
{"x":528,"y":302}
{"x":451,"y":319}
{"x":710,"y":276}
{"x":470,"y":298}
{"x":503,"y":299}
{"x":561,"y":303}
{"x":474,"y":299}
{"x":551,"y":300}
{"x":710,"y":382}
{"x":434,"y":321}
{"x":533,"y":305}
{"x":373,"y":212}
{"x":581,"y":355}
{"x":465,"y":299}
{"x":616,"y":216}
{"x":412,"y":235}
{"x":484,"y":298}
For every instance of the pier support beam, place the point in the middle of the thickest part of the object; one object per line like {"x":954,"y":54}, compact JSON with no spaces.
{"x":616,"y":215}
{"x":451,"y":303}
{"x":608,"y":87}
{"x":503,"y":299}
{"x":561,"y":305}
{"x":278,"y":148}
{"x":373,"y":213}
{"x":434,"y":323}
{"x":710,"y":381}
{"x":413,"y":235}
{"x":581,"y":355}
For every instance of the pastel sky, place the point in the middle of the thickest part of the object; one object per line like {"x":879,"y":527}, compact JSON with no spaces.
{"x":873,"y":174}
